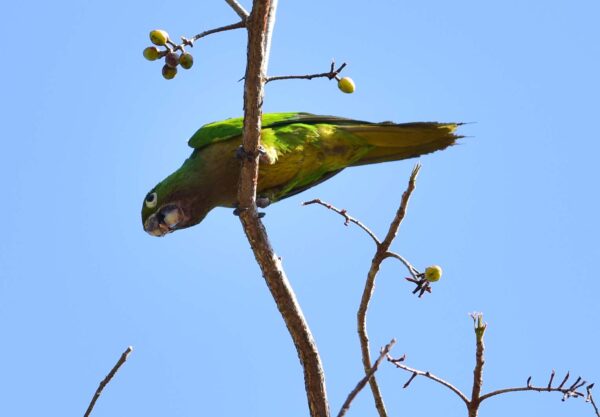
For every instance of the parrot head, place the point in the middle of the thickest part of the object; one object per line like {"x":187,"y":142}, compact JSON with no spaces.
{"x":163,"y":219}
{"x":171,"y":206}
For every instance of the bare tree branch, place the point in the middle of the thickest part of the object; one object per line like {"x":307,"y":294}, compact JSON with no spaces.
{"x":480,"y":327}
{"x":238,"y":8}
{"x":429,"y":375}
{"x":531,"y":388}
{"x":345,"y":215}
{"x":476,"y":399}
{"x":382,"y":252}
{"x":260,"y":25}
{"x":331,"y":74}
{"x":590,"y":399}
{"x":107,"y":379}
{"x":238,"y":25}
{"x":379,"y":256}
{"x":361,"y":384}
{"x":411,"y":269}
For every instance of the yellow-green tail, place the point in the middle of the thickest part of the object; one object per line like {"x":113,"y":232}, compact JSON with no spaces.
{"x":392,"y":142}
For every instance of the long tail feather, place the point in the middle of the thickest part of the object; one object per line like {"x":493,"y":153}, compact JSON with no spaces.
{"x":392,"y":142}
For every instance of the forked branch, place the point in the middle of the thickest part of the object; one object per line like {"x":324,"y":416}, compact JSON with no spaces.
{"x":331,"y":74}
{"x":567,"y":389}
{"x":172,"y":46}
{"x":361,"y":384}
{"x":382,"y":252}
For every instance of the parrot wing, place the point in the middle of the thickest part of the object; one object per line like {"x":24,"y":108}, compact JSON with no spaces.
{"x":231,"y":128}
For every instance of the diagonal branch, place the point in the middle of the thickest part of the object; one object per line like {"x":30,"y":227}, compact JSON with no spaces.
{"x":107,"y":379}
{"x":381,"y":254}
{"x":345,"y":215}
{"x":238,"y":8}
{"x":238,"y":25}
{"x":361,"y":384}
{"x":590,"y":399}
{"x":378,"y":258}
{"x":260,"y":26}
{"x":429,"y":375}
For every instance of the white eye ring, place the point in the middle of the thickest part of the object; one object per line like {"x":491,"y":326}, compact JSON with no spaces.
{"x":151,"y":200}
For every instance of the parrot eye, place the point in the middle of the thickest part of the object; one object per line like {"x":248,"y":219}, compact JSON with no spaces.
{"x":151,"y":200}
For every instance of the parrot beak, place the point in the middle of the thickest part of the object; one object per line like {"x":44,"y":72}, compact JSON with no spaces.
{"x":164,"y":220}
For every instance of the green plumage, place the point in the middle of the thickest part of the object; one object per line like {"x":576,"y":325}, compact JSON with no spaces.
{"x":301,"y":150}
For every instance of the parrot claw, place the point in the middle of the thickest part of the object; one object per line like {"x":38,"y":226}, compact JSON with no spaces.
{"x":263,"y":202}
{"x":237,"y":211}
{"x":241,"y":154}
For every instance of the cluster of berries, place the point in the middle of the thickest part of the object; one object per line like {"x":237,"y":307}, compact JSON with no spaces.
{"x":172,"y":58}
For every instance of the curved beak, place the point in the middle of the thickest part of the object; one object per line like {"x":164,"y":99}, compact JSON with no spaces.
{"x":164,"y":220}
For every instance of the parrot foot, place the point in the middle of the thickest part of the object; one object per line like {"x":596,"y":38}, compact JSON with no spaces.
{"x":263,"y":201}
{"x":241,"y":154}
{"x":239,"y":210}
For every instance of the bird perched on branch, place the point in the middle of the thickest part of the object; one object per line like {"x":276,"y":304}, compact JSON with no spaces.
{"x":299,"y":151}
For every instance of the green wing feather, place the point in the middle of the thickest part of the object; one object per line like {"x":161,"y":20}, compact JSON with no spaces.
{"x":231,"y":128}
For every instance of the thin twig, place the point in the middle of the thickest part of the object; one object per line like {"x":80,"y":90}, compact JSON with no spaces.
{"x":411,"y":269}
{"x":590,"y":399}
{"x":530,"y":388}
{"x":238,"y":25}
{"x":331,"y":74}
{"x":260,"y":26}
{"x":380,"y":255}
{"x":107,"y":379}
{"x":348,"y":219}
{"x":552,"y":374}
{"x":395,"y":225}
{"x":172,"y":46}
{"x":480,"y":327}
{"x":361,"y":384}
{"x":431,"y":376}
{"x":238,"y":8}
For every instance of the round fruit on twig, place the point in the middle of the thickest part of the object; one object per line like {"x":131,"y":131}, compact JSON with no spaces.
{"x":186,"y":60}
{"x":159,"y":37}
{"x":151,"y":53}
{"x":346,"y":85}
{"x":433,"y":273}
{"x":169,"y":72}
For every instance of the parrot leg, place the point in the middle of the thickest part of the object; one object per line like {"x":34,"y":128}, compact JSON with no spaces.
{"x":240,"y":153}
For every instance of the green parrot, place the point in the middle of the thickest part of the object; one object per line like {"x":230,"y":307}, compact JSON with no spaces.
{"x":299,"y":151}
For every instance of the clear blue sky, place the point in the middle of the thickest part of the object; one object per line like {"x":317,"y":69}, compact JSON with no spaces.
{"x":89,"y":126}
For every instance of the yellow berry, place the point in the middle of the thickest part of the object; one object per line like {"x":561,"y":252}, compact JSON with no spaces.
{"x":169,"y":72}
{"x":346,"y":85}
{"x":151,"y":53}
{"x":159,"y":37}
{"x":433,"y":273}
{"x":186,"y":60}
